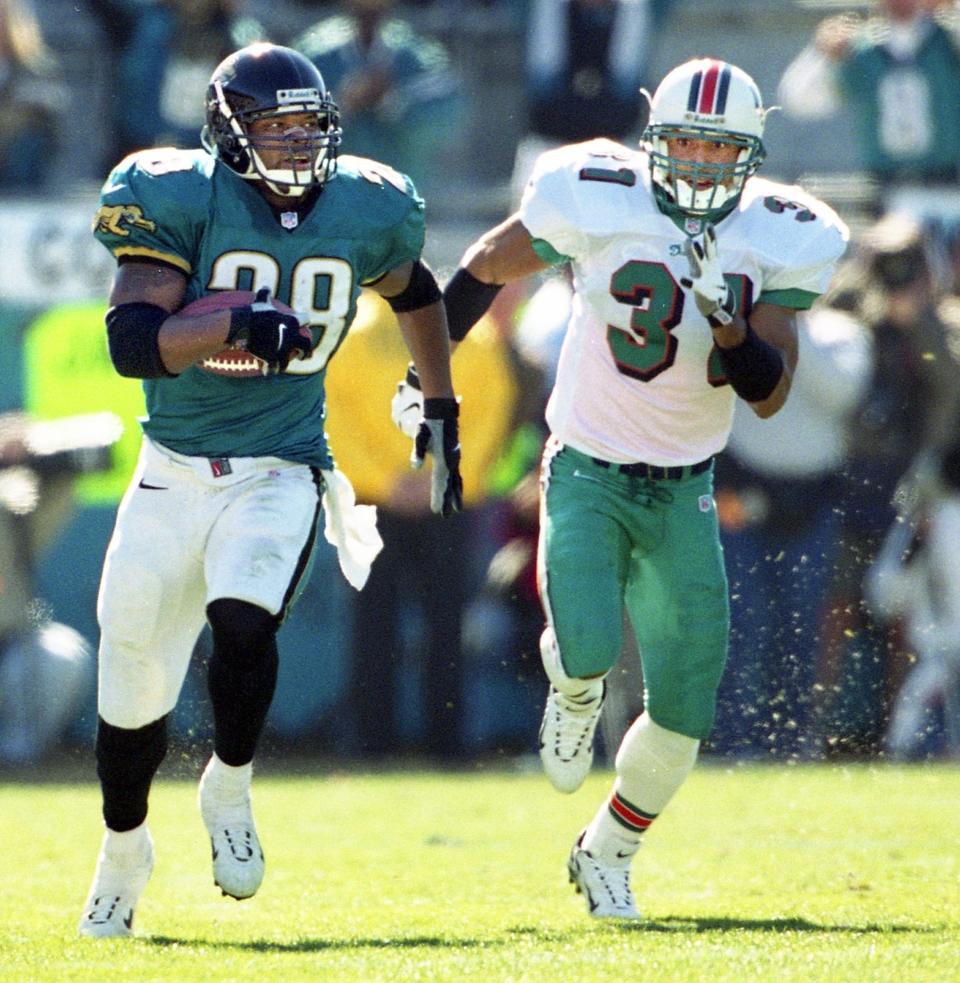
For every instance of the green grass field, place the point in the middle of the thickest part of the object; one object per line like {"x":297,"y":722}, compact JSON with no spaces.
{"x":753,"y":873}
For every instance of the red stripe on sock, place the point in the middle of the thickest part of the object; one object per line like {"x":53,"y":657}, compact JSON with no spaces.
{"x":626,"y":813}
{"x":708,"y":90}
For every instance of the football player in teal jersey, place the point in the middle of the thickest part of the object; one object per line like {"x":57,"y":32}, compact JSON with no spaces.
{"x":219,"y":522}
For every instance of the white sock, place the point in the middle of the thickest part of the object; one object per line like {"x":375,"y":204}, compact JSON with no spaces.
{"x":228,"y":779}
{"x":126,"y":843}
{"x":652,"y":764}
{"x":608,"y":841}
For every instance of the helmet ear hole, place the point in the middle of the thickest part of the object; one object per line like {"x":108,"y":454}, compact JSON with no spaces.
{"x":219,"y":139}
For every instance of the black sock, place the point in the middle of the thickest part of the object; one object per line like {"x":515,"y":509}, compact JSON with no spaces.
{"x":127,"y":760}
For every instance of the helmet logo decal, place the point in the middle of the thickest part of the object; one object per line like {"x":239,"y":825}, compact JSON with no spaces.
{"x":708,"y":90}
{"x":286,"y":97}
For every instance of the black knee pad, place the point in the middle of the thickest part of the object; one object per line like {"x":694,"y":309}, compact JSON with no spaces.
{"x":243,"y":633}
{"x":127,"y":760}
{"x":242,"y":675}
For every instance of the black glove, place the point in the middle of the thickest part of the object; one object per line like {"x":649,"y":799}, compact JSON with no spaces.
{"x":270,"y":334}
{"x":439,"y":430}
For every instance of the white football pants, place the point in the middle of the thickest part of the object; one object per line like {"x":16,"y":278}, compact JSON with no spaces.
{"x":185,"y":536}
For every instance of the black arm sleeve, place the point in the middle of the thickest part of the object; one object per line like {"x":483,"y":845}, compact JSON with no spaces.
{"x":132,"y":334}
{"x":467,"y":299}
{"x":421,"y":290}
{"x":753,"y":367}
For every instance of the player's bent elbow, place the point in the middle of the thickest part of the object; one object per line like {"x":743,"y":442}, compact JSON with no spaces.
{"x":480,"y":262}
{"x":766,"y":408}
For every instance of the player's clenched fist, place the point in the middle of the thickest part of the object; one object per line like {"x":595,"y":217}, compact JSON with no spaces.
{"x":274,"y":336}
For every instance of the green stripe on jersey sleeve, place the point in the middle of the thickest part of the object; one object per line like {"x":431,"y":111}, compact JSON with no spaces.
{"x":795,"y":298}
{"x":547,"y":253}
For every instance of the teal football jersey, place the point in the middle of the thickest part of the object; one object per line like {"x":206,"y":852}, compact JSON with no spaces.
{"x":190,"y":211}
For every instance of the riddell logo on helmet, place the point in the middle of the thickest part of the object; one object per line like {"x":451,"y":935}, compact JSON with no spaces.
{"x":287,"y":96}
{"x":704,"y":118}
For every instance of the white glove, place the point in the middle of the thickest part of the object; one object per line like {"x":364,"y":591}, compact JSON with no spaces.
{"x":406,"y":407}
{"x":713,"y":297}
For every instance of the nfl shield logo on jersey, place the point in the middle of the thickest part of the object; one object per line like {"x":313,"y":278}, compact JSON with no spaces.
{"x":289,"y":220}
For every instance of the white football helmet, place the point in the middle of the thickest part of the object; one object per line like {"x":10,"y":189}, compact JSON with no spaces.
{"x":703,"y":99}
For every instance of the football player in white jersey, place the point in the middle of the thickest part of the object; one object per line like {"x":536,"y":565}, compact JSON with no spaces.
{"x":687,"y":271}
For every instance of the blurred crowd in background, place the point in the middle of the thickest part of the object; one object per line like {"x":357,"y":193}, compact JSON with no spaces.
{"x":840,"y":515}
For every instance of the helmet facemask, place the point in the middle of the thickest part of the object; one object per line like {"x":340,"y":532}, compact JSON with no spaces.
{"x":700,"y":189}
{"x":227,"y":135}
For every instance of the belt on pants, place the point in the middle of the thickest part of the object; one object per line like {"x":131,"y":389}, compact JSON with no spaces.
{"x":655,"y":472}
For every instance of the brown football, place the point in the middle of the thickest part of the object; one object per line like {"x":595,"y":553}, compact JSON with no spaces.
{"x":235,"y":363}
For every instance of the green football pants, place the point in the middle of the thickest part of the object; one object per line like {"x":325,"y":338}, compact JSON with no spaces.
{"x":609,"y":540}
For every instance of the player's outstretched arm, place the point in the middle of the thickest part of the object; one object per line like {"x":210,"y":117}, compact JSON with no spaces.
{"x":438,"y":433}
{"x":414,"y":295}
{"x":503,"y":254}
{"x":499,"y":256}
{"x":412,"y":292}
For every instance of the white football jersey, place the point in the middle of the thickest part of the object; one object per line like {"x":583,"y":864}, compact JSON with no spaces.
{"x":638,"y":377}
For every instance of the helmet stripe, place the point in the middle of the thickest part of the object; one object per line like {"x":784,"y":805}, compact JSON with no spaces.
{"x":709,"y":89}
{"x":723,"y":88}
{"x":694,"y":94}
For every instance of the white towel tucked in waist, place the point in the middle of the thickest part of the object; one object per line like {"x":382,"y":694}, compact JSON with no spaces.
{"x":351,"y":528}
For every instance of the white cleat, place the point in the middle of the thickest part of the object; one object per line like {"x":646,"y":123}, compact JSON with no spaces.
{"x":566,"y":739}
{"x":238,"y":863}
{"x":605,"y":888}
{"x":118,"y":882}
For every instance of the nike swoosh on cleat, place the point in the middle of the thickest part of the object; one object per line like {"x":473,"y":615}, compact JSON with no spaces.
{"x":143,"y":484}
{"x":623,"y":856}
